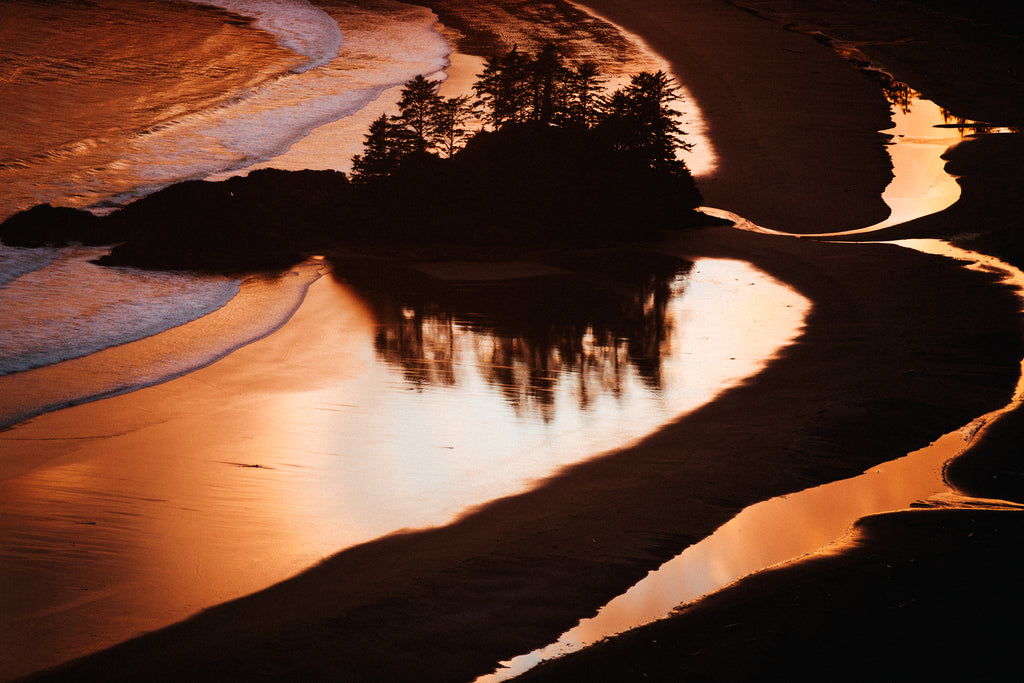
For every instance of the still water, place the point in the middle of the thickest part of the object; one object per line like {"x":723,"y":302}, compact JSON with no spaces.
{"x":137,"y":490}
{"x":367,"y":413}
{"x":819,"y":519}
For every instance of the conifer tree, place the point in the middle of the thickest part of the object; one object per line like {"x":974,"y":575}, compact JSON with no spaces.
{"x":448,"y":131}
{"x":426,"y":122}
{"x":640,"y":118}
{"x":489,"y":93}
{"x":418,"y":107}
{"x":381,"y":151}
{"x":583,"y":91}
{"x":504,"y":89}
{"x":548,"y":79}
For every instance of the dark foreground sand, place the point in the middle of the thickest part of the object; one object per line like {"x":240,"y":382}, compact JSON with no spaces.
{"x":899,"y":349}
{"x":929,"y":594}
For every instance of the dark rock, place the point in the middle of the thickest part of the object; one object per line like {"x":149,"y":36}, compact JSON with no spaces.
{"x":46,"y":225}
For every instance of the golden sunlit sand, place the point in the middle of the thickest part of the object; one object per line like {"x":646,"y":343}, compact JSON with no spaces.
{"x":898,"y":349}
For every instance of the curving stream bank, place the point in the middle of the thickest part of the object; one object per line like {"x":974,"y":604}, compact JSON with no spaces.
{"x":817,"y":520}
{"x":449,"y":602}
{"x":811,"y":531}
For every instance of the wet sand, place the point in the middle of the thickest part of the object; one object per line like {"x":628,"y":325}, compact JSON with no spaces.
{"x":899,"y":349}
{"x":794,"y":127}
{"x":913,"y":595}
{"x":448,"y":603}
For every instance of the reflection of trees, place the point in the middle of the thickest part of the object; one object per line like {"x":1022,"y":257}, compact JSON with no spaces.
{"x":898,"y":94}
{"x":422,"y":344}
{"x":969,"y":127}
{"x":902,"y":95}
{"x":578,"y":334}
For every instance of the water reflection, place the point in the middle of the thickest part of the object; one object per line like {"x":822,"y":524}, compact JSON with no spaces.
{"x":347,"y":424}
{"x":817,"y":519}
{"x":781,"y":529}
{"x":904,"y":99}
{"x":968,"y":127}
{"x":593,"y":318}
{"x":919,"y":138}
{"x":900,"y":95}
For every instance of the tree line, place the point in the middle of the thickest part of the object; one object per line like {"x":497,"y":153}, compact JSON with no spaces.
{"x":551,"y":160}
{"x":517,"y":88}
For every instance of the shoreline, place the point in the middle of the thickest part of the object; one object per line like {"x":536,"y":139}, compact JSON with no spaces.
{"x":450,"y":602}
{"x":780,"y":122}
{"x":923,"y":591}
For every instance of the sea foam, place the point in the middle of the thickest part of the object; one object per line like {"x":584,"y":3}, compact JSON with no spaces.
{"x":67,"y":307}
{"x":378,"y":53}
{"x":297,"y":25}
{"x":15,"y":262}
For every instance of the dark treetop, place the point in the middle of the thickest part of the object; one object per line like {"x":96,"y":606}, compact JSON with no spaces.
{"x":556,"y":164}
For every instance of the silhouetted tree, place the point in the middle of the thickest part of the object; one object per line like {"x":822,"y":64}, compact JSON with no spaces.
{"x":549,"y":78}
{"x":426,"y":122}
{"x":639,"y":118}
{"x":517,"y":72}
{"x":504,"y":88}
{"x":448,"y":130}
{"x":516,"y":87}
{"x":418,"y":107}
{"x":583,"y":88}
{"x":489,"y":91}
{"x":381,"y":151}
{"x":538,"y":168}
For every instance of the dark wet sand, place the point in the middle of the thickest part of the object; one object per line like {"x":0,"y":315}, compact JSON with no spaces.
{"x":794,"y":127}
{"x":929,"y":594}
{"x":899,"y":349}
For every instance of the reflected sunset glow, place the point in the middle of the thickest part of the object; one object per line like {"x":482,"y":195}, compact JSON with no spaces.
{"x":920,"y":185}
{"x":772,"y":532}
{"x":318,"y":437}
{"x":787,"y":528}
{"x":819,"y":519}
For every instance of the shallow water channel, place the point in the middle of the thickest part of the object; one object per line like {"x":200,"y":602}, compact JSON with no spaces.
{"x":786,"y":528}
{"x":815,"y":520}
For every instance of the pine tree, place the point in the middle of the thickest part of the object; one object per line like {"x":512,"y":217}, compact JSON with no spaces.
{"x":448,"y":131}
{"x":381,"y":152}
{"x":418,"y":107}
{"x":640,"y":118}
{"x":583,"y":89}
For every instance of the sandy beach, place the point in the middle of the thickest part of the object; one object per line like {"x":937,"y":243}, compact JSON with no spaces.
{"x":900,"y":348}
